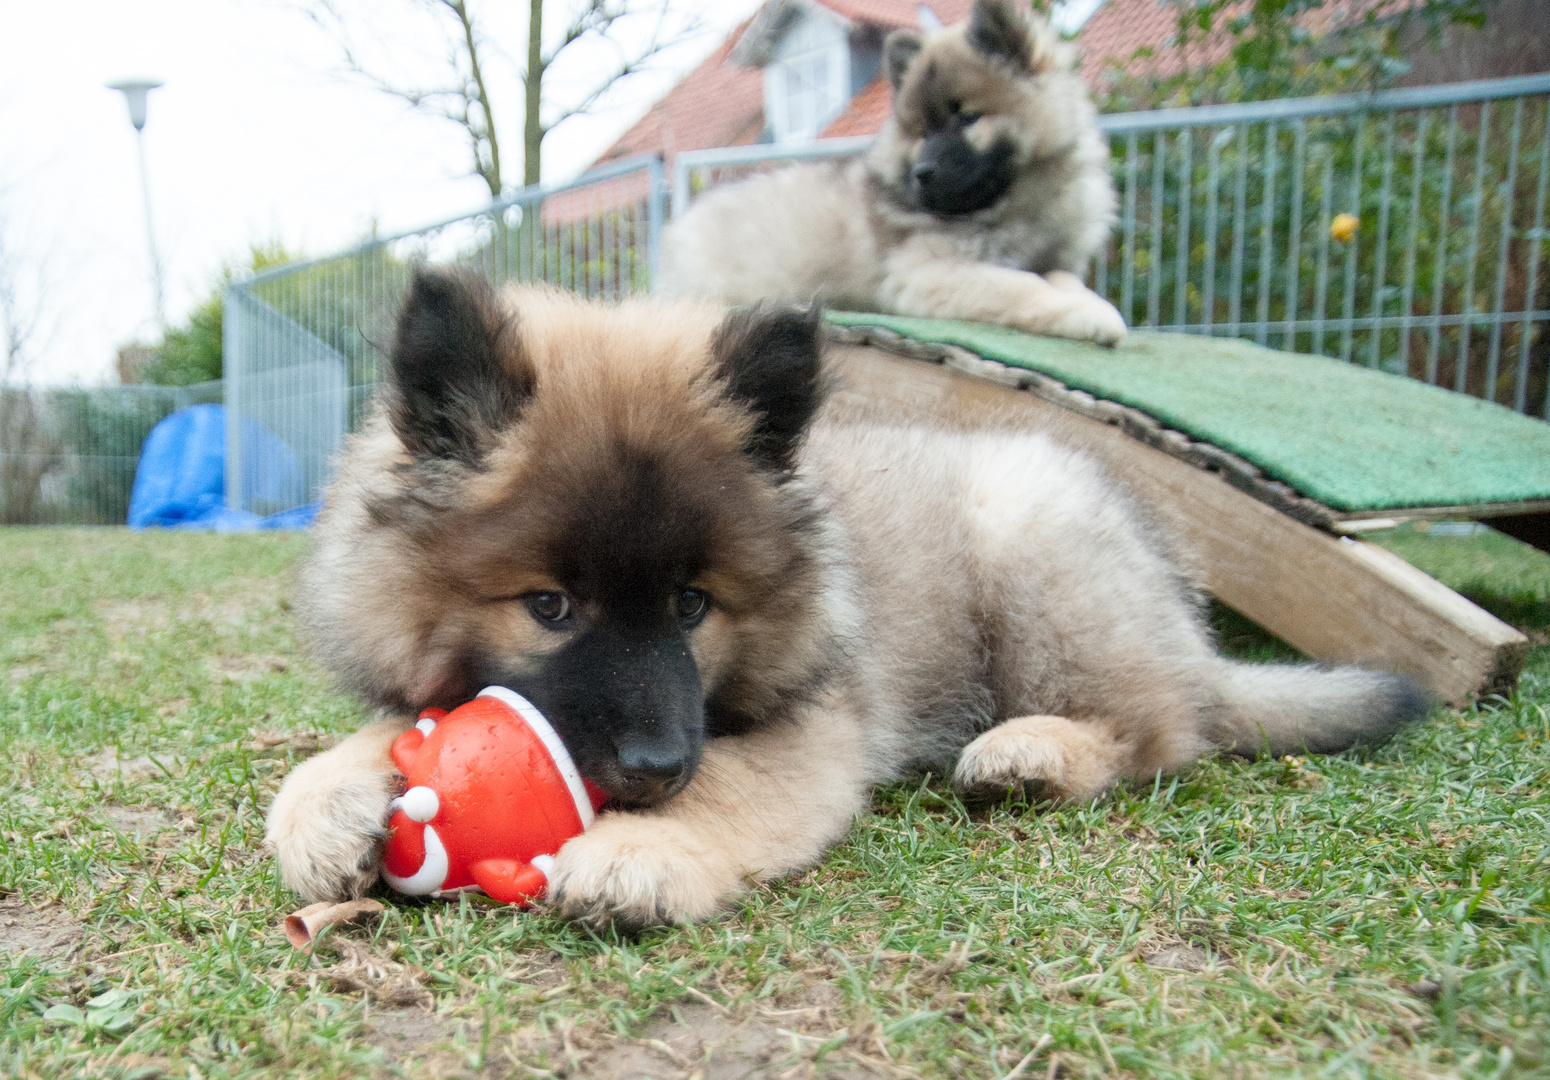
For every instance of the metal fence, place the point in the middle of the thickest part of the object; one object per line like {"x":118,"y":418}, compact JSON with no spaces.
{"x":1230,"y":225}
{"x":302,"y":346}
{"x":68,"y":456}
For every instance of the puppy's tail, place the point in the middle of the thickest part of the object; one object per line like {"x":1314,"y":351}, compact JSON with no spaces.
{"x":1304,"y":708}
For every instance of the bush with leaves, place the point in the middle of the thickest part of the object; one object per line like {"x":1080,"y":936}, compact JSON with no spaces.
{"x":191,"y":353}
{"x":1261,"y":50}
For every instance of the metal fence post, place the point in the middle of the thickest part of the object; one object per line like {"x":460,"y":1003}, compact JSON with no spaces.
{"x":656,"y":207}
{"x":233,"y":341}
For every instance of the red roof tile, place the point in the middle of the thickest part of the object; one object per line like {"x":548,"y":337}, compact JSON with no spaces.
{"x":866,"y":113}
{"x":896,"y":13}
{"x":722,"y":104}
{"x":1110,"y":39}
{"x":716,"y":104}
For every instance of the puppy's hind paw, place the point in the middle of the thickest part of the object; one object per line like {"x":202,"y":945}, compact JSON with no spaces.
{"x":1044,"y":757}
{"x":636,"y":871}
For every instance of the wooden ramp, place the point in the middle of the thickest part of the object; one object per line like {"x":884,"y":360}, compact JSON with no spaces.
{"x":1335,"y":597}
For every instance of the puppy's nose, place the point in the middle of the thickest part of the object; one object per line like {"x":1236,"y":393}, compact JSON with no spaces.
{"x":923,"y":172}
{"x":651,"y":765}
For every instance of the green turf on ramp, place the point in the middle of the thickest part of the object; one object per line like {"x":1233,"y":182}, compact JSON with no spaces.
{"x":1352,"y":438}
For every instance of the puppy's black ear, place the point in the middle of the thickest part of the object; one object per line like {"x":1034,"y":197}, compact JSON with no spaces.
{"x":456,"y":372}
{"x":770,"y":358}
{"x":1000,"y":28}
{"x":899,"y":49}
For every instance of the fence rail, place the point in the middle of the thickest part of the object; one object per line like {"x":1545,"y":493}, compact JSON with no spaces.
{"x":1230,"y":224}
{"x":1404,"y":230}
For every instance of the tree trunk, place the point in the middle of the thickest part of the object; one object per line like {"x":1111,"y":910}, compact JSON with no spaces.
{"x":532,"y":127}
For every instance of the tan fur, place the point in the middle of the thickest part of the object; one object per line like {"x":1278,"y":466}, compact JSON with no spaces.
{"x":330,"y":816}
{"x":987,"y":592}
{"x":847,"y":235}
{"x":762,"y":806}
{"x":1059,"y":759}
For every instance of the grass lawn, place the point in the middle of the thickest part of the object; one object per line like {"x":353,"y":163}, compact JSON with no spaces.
{"x":1380,"y":914}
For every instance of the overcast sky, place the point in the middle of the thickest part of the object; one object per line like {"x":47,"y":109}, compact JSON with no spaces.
{"x":255,"y":137}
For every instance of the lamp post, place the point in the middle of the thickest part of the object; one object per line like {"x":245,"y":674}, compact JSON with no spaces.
{"x":135,"y":92}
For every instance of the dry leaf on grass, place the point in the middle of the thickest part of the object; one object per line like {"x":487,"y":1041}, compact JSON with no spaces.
{"x":301,"y":927}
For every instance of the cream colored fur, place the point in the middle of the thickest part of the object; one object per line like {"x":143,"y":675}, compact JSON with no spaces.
{"x":844,"y":234}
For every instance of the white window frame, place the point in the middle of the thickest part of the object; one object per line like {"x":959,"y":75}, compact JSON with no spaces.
{"x":807,"y":81}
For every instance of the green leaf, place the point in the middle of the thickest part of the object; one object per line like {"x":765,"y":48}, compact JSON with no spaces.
{"x":64,"y":1014}
{"x":114,"y":1020}
{"x":111,"y":999}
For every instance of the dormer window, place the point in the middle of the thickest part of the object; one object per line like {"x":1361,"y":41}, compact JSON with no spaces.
{"x":807,"y":80}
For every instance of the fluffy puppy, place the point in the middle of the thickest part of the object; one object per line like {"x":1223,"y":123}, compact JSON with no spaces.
{"x":739,"y":606}
{"x":986,"y":196}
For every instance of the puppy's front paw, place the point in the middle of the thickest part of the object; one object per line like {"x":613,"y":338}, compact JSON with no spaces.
{"x":639,"y":871}
{"x":327,"y":827}
{"x":1089,"y":318}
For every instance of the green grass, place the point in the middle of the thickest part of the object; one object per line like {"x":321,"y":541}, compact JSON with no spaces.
{"x":1382,"y":914}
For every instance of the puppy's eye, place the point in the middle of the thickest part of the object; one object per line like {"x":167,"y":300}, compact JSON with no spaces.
{"x":692,"y":606}
{"x":965,"y":119}
{"x":955,"y":106}
{"x":552,"y":609}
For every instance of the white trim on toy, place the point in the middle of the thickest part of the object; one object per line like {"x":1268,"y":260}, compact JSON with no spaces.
{"x":553,"y":743}
{"x":432,"y":872}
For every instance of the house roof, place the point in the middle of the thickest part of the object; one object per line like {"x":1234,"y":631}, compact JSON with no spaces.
{"x":1114,"y":37}
{"x":716,"y":104}
{"x":722,"y":104}
{"x":894,"y":13}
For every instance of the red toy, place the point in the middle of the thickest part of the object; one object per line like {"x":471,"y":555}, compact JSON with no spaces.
{"x":492,"y":795}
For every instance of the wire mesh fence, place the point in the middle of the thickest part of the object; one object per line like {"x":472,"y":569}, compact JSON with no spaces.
{"x":1405,"y":231}
{"x":68,"y":456}
{"x":304,"y":344}
{"x":1402,"y":231}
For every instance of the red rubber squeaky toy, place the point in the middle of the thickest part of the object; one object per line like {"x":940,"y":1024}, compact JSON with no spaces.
{"x":491,"y":796}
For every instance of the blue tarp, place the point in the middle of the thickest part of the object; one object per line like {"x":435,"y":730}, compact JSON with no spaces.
{"x":180,"y":481}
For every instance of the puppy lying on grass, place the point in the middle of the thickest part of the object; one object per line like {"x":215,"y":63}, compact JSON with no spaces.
{"x":741,"y":607}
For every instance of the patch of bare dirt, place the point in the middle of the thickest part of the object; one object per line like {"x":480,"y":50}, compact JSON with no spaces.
{"x":22,"y":672}
{"x":36,"y":931}
{"x":302,"y":742}
{"x":400,"y":1032}
{"x":133,"y":618}
{"x":108,"y":765}
{"x":139,"y":823}
{"x":1180,"y":958}
{"x":244,"y":669}
{"x":700,"y":1042}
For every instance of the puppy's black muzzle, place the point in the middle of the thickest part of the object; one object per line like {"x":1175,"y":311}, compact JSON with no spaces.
{"x":950,"y":177}
{"x":630,"y":707}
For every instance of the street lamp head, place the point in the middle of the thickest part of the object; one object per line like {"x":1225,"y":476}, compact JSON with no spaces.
{"x":135,"y":91}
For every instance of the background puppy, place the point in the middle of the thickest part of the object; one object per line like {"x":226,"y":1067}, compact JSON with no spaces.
{"x":739,"y":606}
{"x":985,"y":197}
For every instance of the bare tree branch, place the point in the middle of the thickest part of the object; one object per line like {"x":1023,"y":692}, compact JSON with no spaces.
{"x":467,"y":94}
{"x":464,"y":99}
